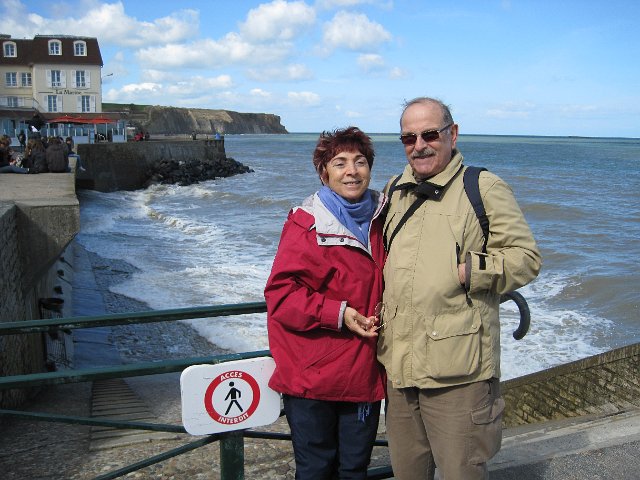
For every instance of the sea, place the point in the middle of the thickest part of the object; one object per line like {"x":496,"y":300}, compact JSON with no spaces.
{"x":213,"y":243}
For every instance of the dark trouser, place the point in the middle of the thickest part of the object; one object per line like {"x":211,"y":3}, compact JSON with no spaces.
{"x":329,"y":440}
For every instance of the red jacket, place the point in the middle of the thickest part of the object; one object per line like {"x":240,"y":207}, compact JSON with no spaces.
{"x":319,"y":269}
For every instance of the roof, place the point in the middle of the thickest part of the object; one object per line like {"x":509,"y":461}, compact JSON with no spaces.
{"x":36,"y":51}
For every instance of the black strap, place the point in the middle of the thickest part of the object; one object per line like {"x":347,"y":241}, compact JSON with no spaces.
{"x":472,"y":188}
{"x":424,"y":191}
{"x":410,"y":211}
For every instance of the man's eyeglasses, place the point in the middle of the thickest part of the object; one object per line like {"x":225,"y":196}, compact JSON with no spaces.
{"x":427,"y":135}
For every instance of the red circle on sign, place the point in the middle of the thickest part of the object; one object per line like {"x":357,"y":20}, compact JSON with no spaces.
{"x":208,"y":396}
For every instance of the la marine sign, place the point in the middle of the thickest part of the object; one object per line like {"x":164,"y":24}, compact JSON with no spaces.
{"x":228,"y":396}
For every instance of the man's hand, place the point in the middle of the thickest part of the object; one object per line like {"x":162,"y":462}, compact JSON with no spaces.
{"x":462,"y":273}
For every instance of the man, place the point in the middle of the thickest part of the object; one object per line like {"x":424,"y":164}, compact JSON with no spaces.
{"x":440,"y":342}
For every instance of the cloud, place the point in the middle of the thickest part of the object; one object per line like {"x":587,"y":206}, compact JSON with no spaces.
{"x":231,"y":49}
{"x":277,"y":21}
{"x":330,"y":4}
{"x":353,"y":31}
{"x":397,"y":73}
{"x":258,"y":92}
{"x":512,"y":110}
{"x":166,"y":86}
{"x":303,"y":99}
{"x":106,"y":21}
{"x":370,"y":61}
{"x":293,"y":72}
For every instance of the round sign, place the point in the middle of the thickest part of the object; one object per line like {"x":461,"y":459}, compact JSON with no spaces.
{"x":223,"y":395}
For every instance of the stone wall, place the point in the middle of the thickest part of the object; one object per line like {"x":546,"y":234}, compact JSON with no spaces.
{"x":604,"y":383}
{"x":125,"y":166}
{"x":19,"y":354}
{"x":39,"y":216}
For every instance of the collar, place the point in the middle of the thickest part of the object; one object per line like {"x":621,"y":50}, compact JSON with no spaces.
{"x":432,"y":187}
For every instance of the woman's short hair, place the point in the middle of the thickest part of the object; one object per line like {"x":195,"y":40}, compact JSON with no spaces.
{"x":330,"y":144}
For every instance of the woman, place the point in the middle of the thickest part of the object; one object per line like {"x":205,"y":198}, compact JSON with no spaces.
{"x":321,"y":295}
{"x":35,"y":156}
{"x":56,"y":154}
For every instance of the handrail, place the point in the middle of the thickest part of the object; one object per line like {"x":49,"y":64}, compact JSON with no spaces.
{"x":231,"y":443}
{"x":120,"y":371}
{"x":35,"y":326}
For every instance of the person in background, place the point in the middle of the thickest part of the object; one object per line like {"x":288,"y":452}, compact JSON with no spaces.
{"x":441,"y":342}
{"x":7,"y":165}
{"x":71,"y":153}
{"x":22,"y":138}
{"x":321,"y":296}
{"x":57,"y":159}
{"x":35,"y":157}
{"x":35,"y":124}
{"x":70,"y":145}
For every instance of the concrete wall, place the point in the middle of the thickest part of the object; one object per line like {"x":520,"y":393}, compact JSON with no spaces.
{"x":39,"y":216}
{"x":124,"y":166}
{"x":605,"y":383}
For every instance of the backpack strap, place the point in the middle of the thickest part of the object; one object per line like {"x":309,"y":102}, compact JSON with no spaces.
{"x":472,"y":188}
{"x":423,"y":192}
{"x":392,"y":188}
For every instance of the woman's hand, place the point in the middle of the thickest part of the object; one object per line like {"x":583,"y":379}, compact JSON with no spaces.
{"x":359,"y":324}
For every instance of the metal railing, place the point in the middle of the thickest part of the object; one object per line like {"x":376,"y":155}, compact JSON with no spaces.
{"x":231,"y":443}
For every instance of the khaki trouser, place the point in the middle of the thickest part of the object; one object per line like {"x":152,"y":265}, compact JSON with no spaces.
{"x":458,"y":429}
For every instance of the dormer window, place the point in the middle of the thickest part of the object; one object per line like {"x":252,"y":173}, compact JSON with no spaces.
{"x":80,"y":49}
{"x":9,"y":49}
{"x":55,"y":47}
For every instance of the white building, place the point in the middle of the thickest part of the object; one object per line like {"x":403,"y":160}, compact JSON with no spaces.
{"x":54,"y":75}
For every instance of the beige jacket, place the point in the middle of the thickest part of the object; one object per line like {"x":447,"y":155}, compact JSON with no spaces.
{"x":438,"y":332}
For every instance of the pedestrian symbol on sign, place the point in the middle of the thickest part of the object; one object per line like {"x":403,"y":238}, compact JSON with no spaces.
{"x":233,"y":392}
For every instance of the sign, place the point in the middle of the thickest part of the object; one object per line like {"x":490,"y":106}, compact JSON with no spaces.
{"x":228,"y":396}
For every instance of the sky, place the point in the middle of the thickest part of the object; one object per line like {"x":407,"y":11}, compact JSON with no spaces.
{"x":505,"y":67}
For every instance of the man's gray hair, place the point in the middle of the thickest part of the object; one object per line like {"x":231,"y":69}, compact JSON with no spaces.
{"x":446,"y":111}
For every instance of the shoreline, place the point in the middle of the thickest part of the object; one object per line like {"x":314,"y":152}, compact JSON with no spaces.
{"x":149,"y":341}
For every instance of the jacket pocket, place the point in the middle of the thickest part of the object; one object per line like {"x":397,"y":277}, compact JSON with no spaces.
{"x":453,"y":344}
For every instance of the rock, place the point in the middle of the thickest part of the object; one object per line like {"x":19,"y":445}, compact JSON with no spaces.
{"x":187,"y":172}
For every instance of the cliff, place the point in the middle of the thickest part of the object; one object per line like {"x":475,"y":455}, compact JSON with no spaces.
{"x":160,"y":120}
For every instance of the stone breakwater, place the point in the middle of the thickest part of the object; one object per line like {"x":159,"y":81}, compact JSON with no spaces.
{"x":187,"y":172}
{"x":111,"y":167}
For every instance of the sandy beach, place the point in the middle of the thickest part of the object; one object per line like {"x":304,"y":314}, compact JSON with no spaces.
{"x":44,"y":450}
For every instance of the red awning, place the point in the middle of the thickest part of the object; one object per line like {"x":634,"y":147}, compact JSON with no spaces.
{"x":98,"y":120}
{"x":81,"y":120}
{"x":66,"y":119}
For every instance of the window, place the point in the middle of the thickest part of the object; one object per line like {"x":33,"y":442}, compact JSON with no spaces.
{"x":87,"y":103}
{"x":25,"y":79}
{"x":56,"y":78}
{"x":9,"y":49}
{"x":11,"y":79}
{"x":54,"y":103}
{"x":81,"y":79}
{"x":13,"y":102}
{"x":80,"y":49}
{"x":55,"y":47}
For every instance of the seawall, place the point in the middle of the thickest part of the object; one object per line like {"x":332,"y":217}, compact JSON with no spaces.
{"x":125,"y":166}
{"x":39,"y":217}
{"x":606,"y":383}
